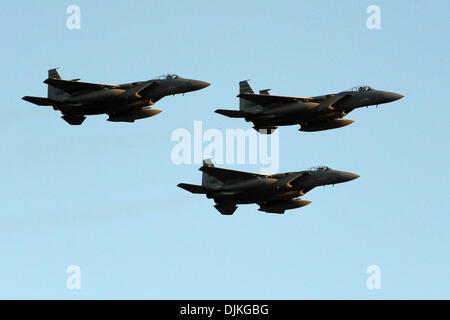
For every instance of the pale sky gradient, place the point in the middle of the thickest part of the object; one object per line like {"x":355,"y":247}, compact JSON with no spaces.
{"x":103,"y":195}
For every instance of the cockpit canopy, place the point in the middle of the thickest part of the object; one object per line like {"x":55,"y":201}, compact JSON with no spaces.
{"x":319,"y":168}
{"x":169,"y":77}
{"x":360,"y":88}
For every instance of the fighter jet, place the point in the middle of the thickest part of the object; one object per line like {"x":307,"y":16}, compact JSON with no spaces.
{"x":273,"y":193}
{"x":122,"y":102}
{"x":312,"y":114}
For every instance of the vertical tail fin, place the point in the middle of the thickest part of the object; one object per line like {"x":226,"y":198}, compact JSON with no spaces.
{"x":53,"y":74}
{"x":55,"y":93}
{"x":207,"y":180}
{"x":244,"y":87}
{"x":245,"y":105}
{"x":208,"y":163}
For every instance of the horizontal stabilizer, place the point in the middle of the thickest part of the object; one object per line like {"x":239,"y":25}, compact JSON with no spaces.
{"x":40,"y":101}
{"x":231,"y":113}
{"x":193,"y":188}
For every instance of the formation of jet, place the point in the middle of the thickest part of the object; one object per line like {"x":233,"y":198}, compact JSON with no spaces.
{"x":273,"y":193}
{"x":122,"y":102}
{"x":228,"y":188}
{"x":312,"y":114}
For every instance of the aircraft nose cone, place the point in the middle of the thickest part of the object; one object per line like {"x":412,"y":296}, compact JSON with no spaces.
{"x":352,"y":176}
{"x":392,"y":96}
{"x":348,"y":176}
{"x":205,"y":84}
{"x":197,"y":84}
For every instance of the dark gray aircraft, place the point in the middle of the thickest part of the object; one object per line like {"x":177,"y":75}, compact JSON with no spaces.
{"x":312,"y":114}
{"x":273,"y":193}
{"x":122,"y":102}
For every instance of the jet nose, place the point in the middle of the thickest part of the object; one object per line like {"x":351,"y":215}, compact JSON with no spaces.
{"x":353,"y":176}
{"x":348,"y":176}
{"x":392,"y":96}
{"x":197,"y":84}
{"x":205,"y":84}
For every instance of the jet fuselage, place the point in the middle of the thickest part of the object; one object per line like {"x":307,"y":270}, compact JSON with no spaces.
{"x":116,"y":100}
{"x":276,"y":187}
{"x":123,"y":103}
{"x":317,"y":113}
{"x":273,"y":193}
{"x":320,"y":108}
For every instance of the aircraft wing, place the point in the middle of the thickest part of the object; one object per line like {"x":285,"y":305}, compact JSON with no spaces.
{"x":264,"y":99}
{"x":76,"y":86}
{"x":229,"y":175}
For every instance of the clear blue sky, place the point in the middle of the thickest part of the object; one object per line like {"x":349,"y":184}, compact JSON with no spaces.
{"x":103,"y":196}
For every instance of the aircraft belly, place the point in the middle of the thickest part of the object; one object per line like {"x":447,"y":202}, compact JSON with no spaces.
{"x":263,"y":197}
{"x":96,"y":108}
{"x":80,"y":110}
{"x":255,"y":195}
{"x":284,"y":120}
{"x":86,"y":109}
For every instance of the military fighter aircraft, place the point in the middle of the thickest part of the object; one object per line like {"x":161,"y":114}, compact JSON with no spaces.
{"x":123,"y":102}
{"x":312,"y":114}
{"x":273,"y":193}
